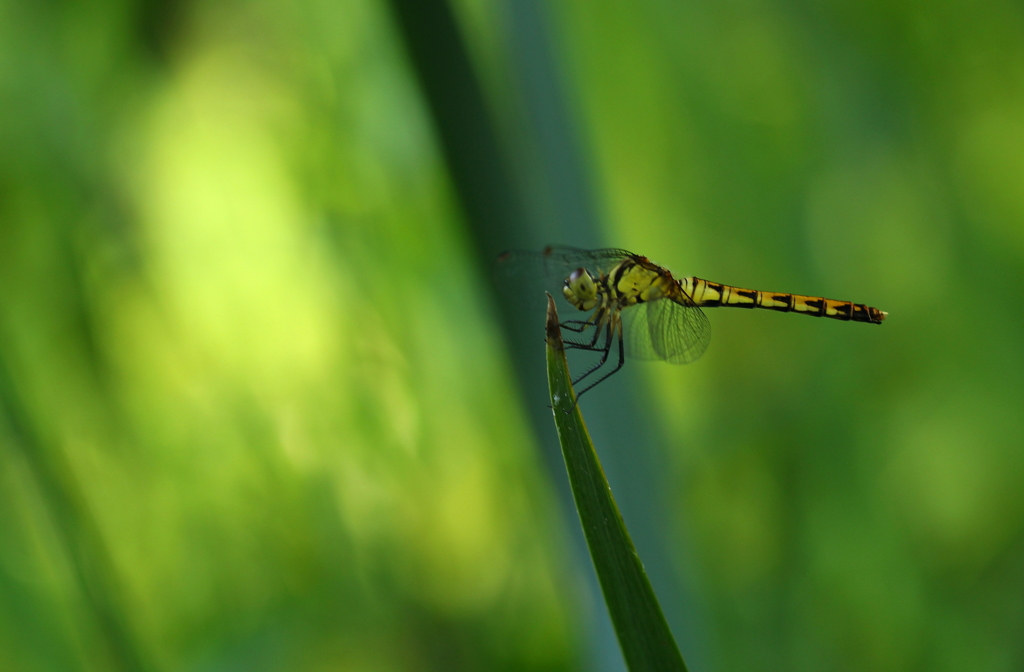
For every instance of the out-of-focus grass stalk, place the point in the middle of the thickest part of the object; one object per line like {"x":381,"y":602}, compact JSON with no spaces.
{"x":77,"y":531}
{"x":644,"y":635}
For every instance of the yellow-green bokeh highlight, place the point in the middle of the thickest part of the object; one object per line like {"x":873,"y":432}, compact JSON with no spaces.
{"x":290,"y":414}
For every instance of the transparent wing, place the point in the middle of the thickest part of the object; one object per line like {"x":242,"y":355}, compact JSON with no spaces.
{"x":593,"y":260}
{"x":665,"y":331}
{"x":555,"y":263}
{"x":523,"y":276}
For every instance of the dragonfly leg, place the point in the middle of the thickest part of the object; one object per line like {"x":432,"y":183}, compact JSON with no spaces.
{"x":622,"y":359}
{"x":605,"y":349}
{"x":583,"y":325}
{"x":576,"y":345}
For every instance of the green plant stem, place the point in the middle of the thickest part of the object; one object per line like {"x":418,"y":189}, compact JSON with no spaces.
{"x":644,"y":635}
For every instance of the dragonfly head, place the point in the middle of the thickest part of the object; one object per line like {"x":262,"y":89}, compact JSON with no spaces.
{"x":580,"y":289}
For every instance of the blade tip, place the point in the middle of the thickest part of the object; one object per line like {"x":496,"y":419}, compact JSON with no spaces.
{"x":553,"y":331}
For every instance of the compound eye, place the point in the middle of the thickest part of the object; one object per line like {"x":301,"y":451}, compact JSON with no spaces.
{"x":575,"y":276}
{"x":581,"y":283}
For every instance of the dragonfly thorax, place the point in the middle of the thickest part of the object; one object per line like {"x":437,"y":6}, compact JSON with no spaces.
{"x":580,"y":289}
{"x":636,"y":283}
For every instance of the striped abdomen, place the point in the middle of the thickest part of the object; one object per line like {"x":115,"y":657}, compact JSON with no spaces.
{"x":712,"y":294}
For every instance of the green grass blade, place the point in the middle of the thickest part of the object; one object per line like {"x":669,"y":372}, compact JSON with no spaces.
{"x":644,"y":635}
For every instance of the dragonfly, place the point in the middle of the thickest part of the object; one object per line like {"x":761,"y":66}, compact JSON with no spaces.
{"x":644,"y":309}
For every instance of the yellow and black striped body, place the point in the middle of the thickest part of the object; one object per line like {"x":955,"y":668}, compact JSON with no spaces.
{"x":708,"y":294}
{"x":637,"y":280}
{"x":653,"y":316}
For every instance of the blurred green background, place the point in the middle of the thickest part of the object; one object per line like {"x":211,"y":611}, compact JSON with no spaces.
{"x":260,"y":408}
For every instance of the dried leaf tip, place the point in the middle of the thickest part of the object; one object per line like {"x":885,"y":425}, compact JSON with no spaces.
{"x":553,"y":331}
